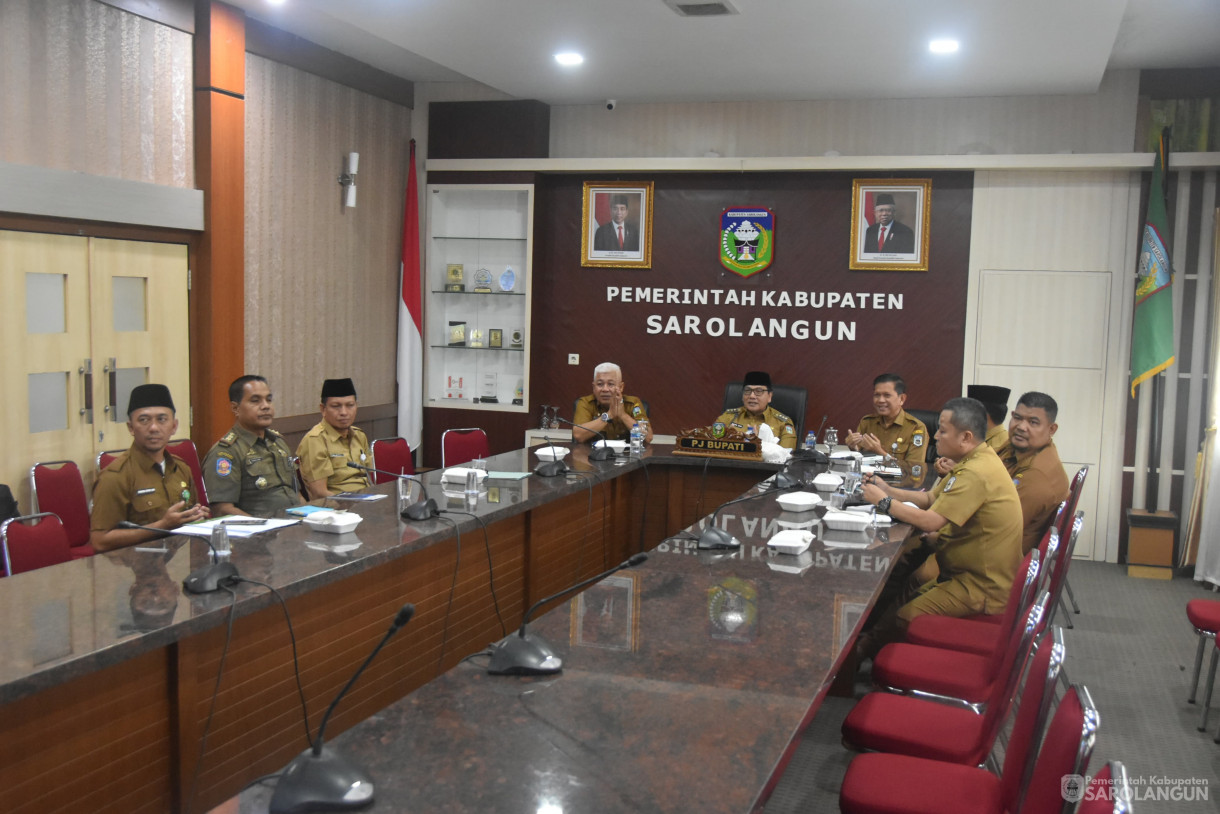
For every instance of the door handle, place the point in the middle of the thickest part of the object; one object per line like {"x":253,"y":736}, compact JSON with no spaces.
{"x":112,"y":385}
{"x":86,"y":374}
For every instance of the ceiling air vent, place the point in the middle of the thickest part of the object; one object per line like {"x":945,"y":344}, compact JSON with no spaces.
{"x":715,"y":8}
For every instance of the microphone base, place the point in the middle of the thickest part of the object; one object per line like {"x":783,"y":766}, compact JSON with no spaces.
{"x":326,"y":782}
{"x":713,"y":538}
{"x":421,"y":510}
{"x":550,"y":469}
{"x":210,"y":578}
{"x":783,"y":480}
{"x":601,"y":453}
{"x":528,"y":655}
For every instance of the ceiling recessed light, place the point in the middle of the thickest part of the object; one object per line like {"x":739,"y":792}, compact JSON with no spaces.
{"x":942,"y":46}
{"x":569,"y":58}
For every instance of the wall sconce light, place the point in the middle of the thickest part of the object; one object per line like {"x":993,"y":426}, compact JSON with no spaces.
{"x":348,"y":180}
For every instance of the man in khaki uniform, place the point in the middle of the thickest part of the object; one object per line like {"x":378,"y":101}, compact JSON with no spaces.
{"x":995,"y":401}
{"x":146,"y":484}
{"x":1033,"y":464}
{"x":326,"y":450}
{"x":607,"y":410}
{"x":249,"y":470}
{"x":975,"y":510}
{"x":890,"y":431}
{"x":756,"y":410}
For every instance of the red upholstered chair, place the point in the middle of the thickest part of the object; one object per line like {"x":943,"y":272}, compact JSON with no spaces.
{"x":1204,"y":615}
{"x":184,"y":448}
{"x":1057,"y":574}
{"x":967,"y":679}
{"x":971,"y":635}
{"x":1073,"y":501}
{"x":901,"y":724}
{"x":106,"y":457}
{"x":1109,"y":792}
{"x":1029,"y":783}
{"x":460,"y":446}
{"x":57,"y":487}
{"x":392,"y":455}
{"x":33,"y":541}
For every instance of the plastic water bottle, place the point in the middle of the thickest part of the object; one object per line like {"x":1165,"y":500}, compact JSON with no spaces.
{"x":637,"y":439}
{"x":811,"y":440}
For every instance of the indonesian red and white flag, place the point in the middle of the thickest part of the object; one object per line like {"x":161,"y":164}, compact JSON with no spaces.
{"x":410,"y":321}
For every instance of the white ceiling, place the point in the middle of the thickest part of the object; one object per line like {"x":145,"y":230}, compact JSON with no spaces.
{"x":641,"y":51}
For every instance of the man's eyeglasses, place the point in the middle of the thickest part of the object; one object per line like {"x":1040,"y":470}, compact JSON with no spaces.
{"x":755,"y":391}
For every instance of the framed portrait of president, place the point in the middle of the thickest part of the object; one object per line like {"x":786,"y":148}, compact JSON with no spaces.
{"x":616,"y":225}
{"x":890,"y":222}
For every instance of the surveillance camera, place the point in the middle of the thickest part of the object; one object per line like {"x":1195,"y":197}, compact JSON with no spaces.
{"x":611,"y":104}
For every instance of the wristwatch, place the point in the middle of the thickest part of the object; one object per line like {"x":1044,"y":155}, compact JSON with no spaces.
{"x":883,"y":505}
{"x":605,"y":417}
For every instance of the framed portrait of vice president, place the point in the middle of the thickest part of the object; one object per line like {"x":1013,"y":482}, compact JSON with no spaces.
{"x":616,"y":224}
{"x":890,"y":222}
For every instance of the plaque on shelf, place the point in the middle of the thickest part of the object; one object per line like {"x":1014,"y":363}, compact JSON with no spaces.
{"x":476,"y":338}
{"x":482,"y":281}
{"x":519,"y":392}
{"x":490,"y":388}
{"x":457,"y":333}
{"x":516,"y":338}
{"x":454,"y":387}
{"x":495,"y":338}
{"x":455,"y":277}
{"x":508,"y":279}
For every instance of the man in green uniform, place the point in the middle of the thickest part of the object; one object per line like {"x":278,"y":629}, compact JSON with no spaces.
{"x":977,"y":514}
{"x":756,"y":410}
{"x":1033,"y":463}
{"x":326,"y":450}
{"x":249,"y":470}
{"x":995,"y":401}
{"x":607,"y":410}
{"x":146,"y":484}
{"x":890,"y":431}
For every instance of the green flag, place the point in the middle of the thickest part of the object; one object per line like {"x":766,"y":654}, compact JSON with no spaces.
{"x":1152,"y":332}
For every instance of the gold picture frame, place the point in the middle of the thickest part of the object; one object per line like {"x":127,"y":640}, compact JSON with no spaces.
{"x":910,"y":208}
{"x":599,"y":245}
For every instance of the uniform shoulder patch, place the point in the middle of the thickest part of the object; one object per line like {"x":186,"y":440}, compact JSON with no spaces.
{"x":790,"y":428}
{"x":917,"y":440}
{"x":949,"y":483}
{"x":224,"y":466}
{"x":782,"y":417}
{"x":229,"y":438}
{"x":637,"y":411}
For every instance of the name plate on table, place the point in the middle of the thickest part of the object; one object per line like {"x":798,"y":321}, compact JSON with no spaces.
{"x":718,"y":448}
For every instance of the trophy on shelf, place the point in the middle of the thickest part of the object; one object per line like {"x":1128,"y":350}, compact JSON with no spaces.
{"x":508,"y":279}
{"x":495,"y":338}
{"x":482,"y":281}
{"x":455,"y":278}
{"x":476,"y":338}
{"x":517,"y":338}
{"x":457,"y":334}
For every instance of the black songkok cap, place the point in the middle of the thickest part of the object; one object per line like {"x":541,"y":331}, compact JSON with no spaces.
{"x":988,"y":393}
{"x":149,"y":395}
{"x":758,"y":378}
{"x":884,"y":199}
{"x":337,"y":389}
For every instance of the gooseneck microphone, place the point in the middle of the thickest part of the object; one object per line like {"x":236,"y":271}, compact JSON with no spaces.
{"x":812,"y":454}
{"x":713,"y":536}
{"x":524,"y":653}
{"x":602,"y":453}
{"x":204,"y":580}
{"x":422,"y":509}
{"x":550,"y":469}
{"x":320,"y":779}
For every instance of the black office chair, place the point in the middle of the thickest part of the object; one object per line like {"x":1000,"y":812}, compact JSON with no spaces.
{"x":930,"y":420}
{"x":787,"y":399}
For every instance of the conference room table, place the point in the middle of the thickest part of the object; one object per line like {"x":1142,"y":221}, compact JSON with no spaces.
{"x":686,"y":680}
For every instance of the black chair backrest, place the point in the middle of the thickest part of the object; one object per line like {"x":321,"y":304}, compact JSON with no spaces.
{"x":789,"y":400}
{"x":647,"y":411}
{"x":930,"y":420}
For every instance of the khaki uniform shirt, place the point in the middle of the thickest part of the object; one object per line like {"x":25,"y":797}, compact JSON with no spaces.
{"x":324,"y":454}
{"x":979,"y":549}
{"x":997,"y":437}
{"x":588,"y":409}
{"x":133,"y":488}
{"x":1041,"y":485}
{"x":906,"y":439}
{"x":252,"y":473}
{"x":780,"y":424}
